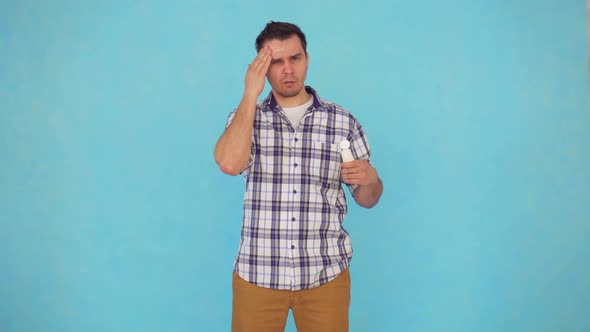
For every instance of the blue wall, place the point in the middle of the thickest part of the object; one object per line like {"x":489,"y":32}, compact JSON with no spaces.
{"x":114,"y":216}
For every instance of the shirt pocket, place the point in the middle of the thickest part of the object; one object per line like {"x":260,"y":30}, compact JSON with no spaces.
{"x":325,"y":163}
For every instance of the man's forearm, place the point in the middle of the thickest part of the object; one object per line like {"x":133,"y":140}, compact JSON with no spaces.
{"x":232,"y":151}
{"x":368,"y":195}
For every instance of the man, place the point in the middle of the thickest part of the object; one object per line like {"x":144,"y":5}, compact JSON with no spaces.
{"x":294,"y":253}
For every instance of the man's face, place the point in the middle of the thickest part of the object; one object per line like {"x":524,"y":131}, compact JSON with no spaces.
{"x":288,"y":66}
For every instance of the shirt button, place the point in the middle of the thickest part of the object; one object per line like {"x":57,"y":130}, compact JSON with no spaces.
{"x":292,"y":247}
{"x":295,"y":164}
{"x":293,"y":219}
{"x":294,"y":191}
{"x":296,"y":139}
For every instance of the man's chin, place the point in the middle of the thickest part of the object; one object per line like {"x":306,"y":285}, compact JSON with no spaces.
{"x":289,"y":93}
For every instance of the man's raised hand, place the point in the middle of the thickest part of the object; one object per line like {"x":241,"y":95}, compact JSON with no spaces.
{"x":256,"y":74}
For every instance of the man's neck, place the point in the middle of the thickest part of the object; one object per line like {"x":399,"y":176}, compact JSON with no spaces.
{"x":294,"y":101}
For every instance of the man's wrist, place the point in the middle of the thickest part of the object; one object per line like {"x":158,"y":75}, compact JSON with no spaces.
{"x":250,"y":97}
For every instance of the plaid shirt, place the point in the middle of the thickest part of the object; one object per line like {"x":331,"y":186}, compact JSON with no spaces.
{"x":292,"y":236}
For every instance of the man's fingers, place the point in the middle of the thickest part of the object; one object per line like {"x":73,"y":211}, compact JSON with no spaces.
{"x":261,"y":59}
{"x":259,"y":56}
{"x":350,"y":171}
{"x":266,"y":62}
{"x":263,"y":64}
{"x":351,"y":180}
{"x":353,"y":176}
{"x":351,"y":168}
{"x":354,"y":172}
{"x":254,"y":80}
{"x":357,"y":178}
{"x":348,"y":178}
{"x":348,"y":165}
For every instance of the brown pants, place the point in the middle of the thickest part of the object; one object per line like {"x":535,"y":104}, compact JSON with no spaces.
{"x":323,"y":309}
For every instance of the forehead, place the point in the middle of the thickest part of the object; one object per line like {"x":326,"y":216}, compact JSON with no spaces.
{"x":289,"y":46}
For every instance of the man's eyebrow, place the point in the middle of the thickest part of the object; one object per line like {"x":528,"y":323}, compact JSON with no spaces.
{"x":290,"y":56}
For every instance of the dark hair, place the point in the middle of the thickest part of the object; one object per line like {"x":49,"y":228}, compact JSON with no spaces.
{"x":280,"y":31}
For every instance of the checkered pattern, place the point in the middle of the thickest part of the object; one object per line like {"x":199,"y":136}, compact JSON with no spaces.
{"x":294,"y":205}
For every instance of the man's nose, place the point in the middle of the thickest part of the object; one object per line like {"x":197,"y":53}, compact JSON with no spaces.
{"x":288,"y":68}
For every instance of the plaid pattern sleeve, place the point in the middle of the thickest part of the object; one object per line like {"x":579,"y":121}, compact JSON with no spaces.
{"x":359,"y":147}
{"x":292,"y":235}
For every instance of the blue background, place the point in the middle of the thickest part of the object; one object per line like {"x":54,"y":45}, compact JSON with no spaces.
{"x":115,"y":217}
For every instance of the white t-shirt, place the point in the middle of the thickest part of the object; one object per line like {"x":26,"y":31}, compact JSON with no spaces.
{"x":295,"y":114}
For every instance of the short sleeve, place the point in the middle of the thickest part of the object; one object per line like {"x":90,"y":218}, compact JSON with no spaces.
{"x":359,"y":146}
